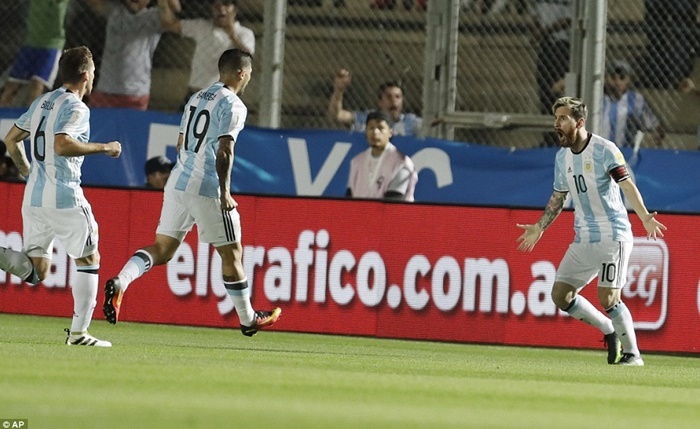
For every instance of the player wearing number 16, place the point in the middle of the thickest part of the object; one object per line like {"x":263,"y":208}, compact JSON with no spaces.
{"x":593,"y":170}
{"x":58,"y":125}
{"x":198,"y":191}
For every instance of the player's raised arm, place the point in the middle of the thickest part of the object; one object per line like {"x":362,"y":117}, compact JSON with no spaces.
{"x":533,"y":233}
{"x":653,"y":227}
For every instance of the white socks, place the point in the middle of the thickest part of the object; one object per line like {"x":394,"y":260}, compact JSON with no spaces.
{"x":84,"y":294}
{"x":135,"y":267}
{"x":624,"y":327}
{"x":240,"y":293}
{"x":586,"y":312}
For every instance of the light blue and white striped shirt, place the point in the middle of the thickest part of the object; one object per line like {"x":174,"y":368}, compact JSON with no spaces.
{"x":599,"y":213}
{"x":54,"y":180}
{"x":624,"y":117}
{"x":209,"y":114}
{"x":408,"y":124}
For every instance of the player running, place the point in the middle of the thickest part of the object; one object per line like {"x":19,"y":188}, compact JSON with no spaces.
{"x":54,"y":206}
{"x":198,"y":191}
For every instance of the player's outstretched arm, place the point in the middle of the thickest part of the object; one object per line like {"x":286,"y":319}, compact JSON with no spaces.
{"x":15,"y":147}
{"x":65,"y":145}
{"x":533,"y":233}
{"x":653,"y":227}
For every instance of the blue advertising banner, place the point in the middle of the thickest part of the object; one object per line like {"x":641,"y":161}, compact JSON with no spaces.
{"x":316,"y":163}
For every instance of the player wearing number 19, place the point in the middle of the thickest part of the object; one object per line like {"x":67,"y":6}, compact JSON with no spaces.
{"x":54,"y":206}
{"x":593,"y":170}
{"x":198,"y":191}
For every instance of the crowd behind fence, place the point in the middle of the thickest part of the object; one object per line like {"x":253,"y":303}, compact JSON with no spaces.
{"x":385,"y":40}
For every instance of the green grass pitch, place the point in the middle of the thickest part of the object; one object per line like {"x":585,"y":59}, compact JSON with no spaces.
{"x":159,"y":376}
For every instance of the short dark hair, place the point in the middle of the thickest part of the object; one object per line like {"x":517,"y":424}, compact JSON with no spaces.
{"x":388,"y":84}
{"x":620,"y":68}
{"x":73,"y":63}
{"x":158,"y":163}
{"x":235,"y":59}
{"x":378,"y":115}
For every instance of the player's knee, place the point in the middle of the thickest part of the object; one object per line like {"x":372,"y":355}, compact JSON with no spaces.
{"x":561,"y":297}
{"x":93,"y":259}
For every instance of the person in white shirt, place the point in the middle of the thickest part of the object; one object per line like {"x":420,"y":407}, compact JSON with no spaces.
{"x":593,"y":171}
{"x":198,"y":191}
{"x":54,"y":206}
{"x":212,"y":37}
{"x":381,"y":171}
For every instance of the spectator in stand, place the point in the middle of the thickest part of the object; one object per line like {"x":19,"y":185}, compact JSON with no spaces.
{"x":133,"y":32}
{"x":672,"y":41}
{"x":212,"y":37}
{"x":552,"y":27}
{"x":382,"y":171}
{"x":687,"y":86}
{"x":157,"y":172}
{"x":36,"y":64}
{"x":625,"y":111}
{"x":389,"y":100}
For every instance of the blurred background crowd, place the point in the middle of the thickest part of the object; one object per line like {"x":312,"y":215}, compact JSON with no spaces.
{"x":511,"y":58}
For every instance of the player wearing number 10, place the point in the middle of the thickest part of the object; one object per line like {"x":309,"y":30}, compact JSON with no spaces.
{"x":593,"y":170}
{"x":198,"y":191}
{"x":54,"y":206}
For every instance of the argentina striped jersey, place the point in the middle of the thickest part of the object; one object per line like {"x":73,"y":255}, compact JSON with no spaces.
{"x":599,"y":213}
{"x":209,"y":114}
{"x":54,"y":180}
{"x":624,"y":117}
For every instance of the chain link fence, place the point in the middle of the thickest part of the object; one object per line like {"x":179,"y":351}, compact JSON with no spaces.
{"x":499,"y":59}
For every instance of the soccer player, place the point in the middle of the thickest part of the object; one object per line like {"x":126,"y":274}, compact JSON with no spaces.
{"x":54,"y":206}
{"x":198,"y":191}
{"x":593,"y":170}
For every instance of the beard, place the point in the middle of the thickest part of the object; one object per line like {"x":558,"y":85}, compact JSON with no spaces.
{"x":566,"y":139}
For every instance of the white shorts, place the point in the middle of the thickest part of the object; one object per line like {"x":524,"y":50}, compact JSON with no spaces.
{"x":182,"y":210}
{"x":76,"y":228}
{"x":585,"y":261}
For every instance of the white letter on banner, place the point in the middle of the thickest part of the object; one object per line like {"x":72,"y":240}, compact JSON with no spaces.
{"x":160,"y":136}
{"x":6,"y":125}
{"x":371,"y":295}
{"x":278,"y":278}
{"x":303,"y":258}
{"x":341,"y":293}
{"x":446,"y":299}
{"x":437,"y":161}
{"x":180,"y":269}
{"x":299,"y":154}
{"x":416,"y":299}
{"x":538,"y":296}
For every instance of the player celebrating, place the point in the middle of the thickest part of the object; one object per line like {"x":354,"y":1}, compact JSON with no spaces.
{"x":593,"y":170}
{"x":54,"y":205}
{"x":198,"y":191}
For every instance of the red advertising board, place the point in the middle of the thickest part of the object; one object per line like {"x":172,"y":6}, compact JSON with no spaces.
{"x":369,"y":268}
